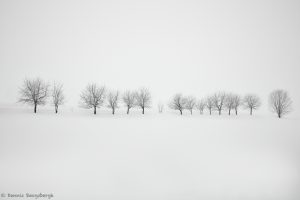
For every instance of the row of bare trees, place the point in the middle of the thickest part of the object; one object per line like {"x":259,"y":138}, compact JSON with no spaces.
{"x":218,"y":101}
{"x":279,"y":101}
{"x":94,"y":96}
{"x":36,"y":91}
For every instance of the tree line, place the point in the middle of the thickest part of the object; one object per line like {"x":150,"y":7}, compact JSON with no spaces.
{"x":219,"y":101}
{"x":36,"y":92}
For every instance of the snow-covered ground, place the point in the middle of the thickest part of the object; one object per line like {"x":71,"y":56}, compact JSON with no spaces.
{"x":76,"y":155}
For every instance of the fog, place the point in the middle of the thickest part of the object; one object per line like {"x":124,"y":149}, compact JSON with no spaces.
{"x":193,"y":47}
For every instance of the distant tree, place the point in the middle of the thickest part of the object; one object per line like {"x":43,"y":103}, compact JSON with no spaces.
{"x":280,"y":102}
{"x":178,"y":103}
{"x":201,"y":104}
{"x":190,"y":103}
{"x":237,"y":101}
{"x":229,"y":102}
{"x":252,"y":102}
{"x":129,"y":99}
{"x":93,"y":96}
{"x":160,"y":107}
{"x":113,"y":100}
{"x":218,"y":101}
{"x":209,"y":103}
{"x":143,"y":99}
{"x":58,"y":97}
{"x":34,"y":92}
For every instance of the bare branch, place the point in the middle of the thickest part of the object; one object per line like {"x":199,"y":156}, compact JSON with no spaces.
{"x":280,"y":102}
{"x":201,"y":104}
{"x":209,"y":103}
{"x":58,"y":97}
{"x":93,"y":96}
{"x":237,"y":101}
{"x":229,"y":102}
{"x":143,"y":99}
{"x":252,"y":102}
{"x":129,"y":99}
{"x":34,"y":92}
{"x":218,"y":101}
{"x":113,"y":100}
{"x":190,"y":103}
{"x":178,"y":102}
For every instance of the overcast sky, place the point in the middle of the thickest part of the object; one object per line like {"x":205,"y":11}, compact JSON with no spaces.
{"x":194,"y":47}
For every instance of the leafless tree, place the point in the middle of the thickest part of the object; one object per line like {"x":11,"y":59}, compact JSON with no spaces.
{"x":237,"y":101}
{"x":190,"y":103}
{"x":93,"y":96}
{"x":34,"y":92}
{"x":252,"y":102}
{"x":58,"y":97}
{"x":201,"y":104}
{"x":280,"y":102}
{"x":229,"y":102}
{"x":160,"y":107}
{"x":113,"y":100}
{"x":143,"y":99}
{"x":219,"y":100}
{"x":209,"y":103}
{"x":178,"y":103}
{"x":129,"y":99}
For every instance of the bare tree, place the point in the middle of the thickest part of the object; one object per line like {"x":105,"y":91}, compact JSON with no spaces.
{"x":280,"y":102}
{"x":58,"y":97}
{"x":143,"y":99}
{"x":201,"y":104}
{"x":178,"y":103}
{"x":160,"y":107}
{"x":219,"y":100}
{"x":129,"y":99}
{"x":252,"y":102}
{"x":229,"y":102}
{"x":34,"y":92}
{"x":113,"y":100}
{"x":93,"y":96}
{"x":190,"y":103}
{"x":209,"y":103}
{"x":237,"y":101}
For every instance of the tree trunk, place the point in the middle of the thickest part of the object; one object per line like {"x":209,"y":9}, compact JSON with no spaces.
{"x":127,"y":110}
{"x":56,"y":109}
{"x":209,"y":111}
{"x":229,"y":111}
{"x":35,"y":105}
{"x":191,"y":112}
{"x":180,"y":112}
{"x":220,"y":112}
{"x":235,"y":111}
{"x":250,"y":111}
{"x":113,"y":111}
{"x":95,"y":108}
{"x":143,"y":110}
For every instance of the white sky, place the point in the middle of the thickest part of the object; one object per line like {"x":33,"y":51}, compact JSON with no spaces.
{"x":193,"y":47}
